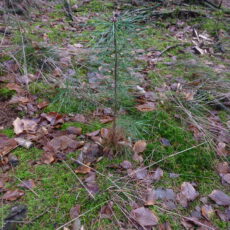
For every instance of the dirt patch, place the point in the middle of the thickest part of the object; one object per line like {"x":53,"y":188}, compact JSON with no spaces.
{"x":7,"y":115}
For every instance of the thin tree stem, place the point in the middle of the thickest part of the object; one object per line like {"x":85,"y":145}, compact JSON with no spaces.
{"x":115,"y":77}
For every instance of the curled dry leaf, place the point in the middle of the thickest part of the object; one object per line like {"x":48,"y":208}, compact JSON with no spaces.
{"x":144,"y":217}
{"x":139,"y":146}
{"x":13,"y":195}
{"x":147,"y":107}
{"x":220,"y":197}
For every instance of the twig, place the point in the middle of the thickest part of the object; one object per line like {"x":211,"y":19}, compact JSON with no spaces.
{"x":27,"y":186}
{"x":69,"y":222}
{"x":37,"y":217}
{"x":79,"y":179}
{"x":163,"y":159}
{"x":169,"y":48}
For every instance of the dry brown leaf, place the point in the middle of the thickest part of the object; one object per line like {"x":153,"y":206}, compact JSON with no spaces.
{"x":21,"y":125}
{"x":6,"y":145}
{"x":220,"y":197}
{"x":139,"y":146}
{"x":147,"y":107}
{"x":13,"y":195}
{"x":126,"y":165}
{"x":75,"y":211}
{"x":83,"y":169}
{"x":150,"y":197}
{"x":74,"y":130}
{"x":144,"y":217}
{"x":42,"y":104}
{"x":207,"y":211}
{"x":47,"y":158}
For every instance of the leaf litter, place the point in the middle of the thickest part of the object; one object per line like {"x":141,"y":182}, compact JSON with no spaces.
{"x":42,"y":131}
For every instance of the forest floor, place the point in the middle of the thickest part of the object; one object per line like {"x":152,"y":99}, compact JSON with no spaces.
{"x":166,"y":167}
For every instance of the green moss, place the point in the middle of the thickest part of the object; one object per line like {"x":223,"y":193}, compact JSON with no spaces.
{"x":86,"y":128}
{"x":42,"y":89}
{"x":97,"y":6}
{"x":8,"y":132}
{"x":6,"y":94}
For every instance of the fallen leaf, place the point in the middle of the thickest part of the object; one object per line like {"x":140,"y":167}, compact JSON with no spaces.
{"x":188,"y":193}
{"x":27,"y":184}
{"x":42,"y":104}
{"x":12,"y":195}
{"x":226,"y":178}
{"x":47,"y":158}
{"x":19,"y":99}
{"x":21,"y":125}
{"x":15,"y":87}
{"x":165,"y":226}
{"x":150,"y":197}
{"x":18,"y":126}
{"x":224,"y":215}
{"x":137,"y":158}
{"x":139,"y":147}
{"x":158,"y":174}
{"x":93,"y":134}
{"x":83,"y":169}
{"x":165,"y":142}
{"x":126,"y":165}
{"x":141,"y":173}
{"x":106,"y":210}
{"x":144,"y":217}
{"x":221,"y":149}
{"x":75,"y":211}
{"x":79,"y":118}
{"x":91,"y":184}
{"x":165,"y":194}
{"x":147,"y":107}
{"x":53,"y":117}
{"x":220,"y":197}
{"x":207,"y":211}
{"x":6,"y":145}
{"x":74,"y":130}
{"x":23,"y":142}
{"x":106,"y":133}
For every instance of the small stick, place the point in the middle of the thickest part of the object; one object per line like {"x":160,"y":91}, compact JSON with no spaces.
{"x":169,"y":48}
{"x":79,"y":180}
{"x":27,"y":186}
